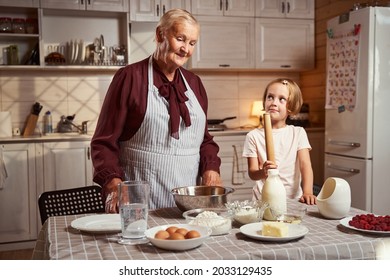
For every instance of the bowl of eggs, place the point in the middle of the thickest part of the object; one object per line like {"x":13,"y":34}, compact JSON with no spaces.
{"x":178,"y":237}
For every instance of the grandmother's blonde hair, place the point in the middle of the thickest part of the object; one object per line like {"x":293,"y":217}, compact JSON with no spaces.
{"x":294,"y":101}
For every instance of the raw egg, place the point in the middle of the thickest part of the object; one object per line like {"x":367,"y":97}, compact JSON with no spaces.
{"x":171,"y":229}
{"x":192,"y":234}
{"x":161,"y":234}
{"x":176,"y":236}
{"x":182,"y":231}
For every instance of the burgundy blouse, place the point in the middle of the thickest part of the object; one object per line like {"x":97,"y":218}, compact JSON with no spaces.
{"x":123,"y":112}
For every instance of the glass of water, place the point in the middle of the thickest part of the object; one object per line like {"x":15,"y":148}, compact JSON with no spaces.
{"x":133,"y":210}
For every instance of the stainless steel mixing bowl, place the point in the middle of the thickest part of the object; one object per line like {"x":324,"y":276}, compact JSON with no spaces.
{"x":194,"y":197}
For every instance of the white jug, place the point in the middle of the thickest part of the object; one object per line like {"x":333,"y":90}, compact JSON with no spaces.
{"x":334,"y":199}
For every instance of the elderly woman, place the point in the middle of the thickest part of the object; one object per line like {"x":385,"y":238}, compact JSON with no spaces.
{"x":152,"y":125}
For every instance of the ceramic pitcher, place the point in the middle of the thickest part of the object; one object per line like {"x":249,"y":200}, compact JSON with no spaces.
{"x":334,"y":199}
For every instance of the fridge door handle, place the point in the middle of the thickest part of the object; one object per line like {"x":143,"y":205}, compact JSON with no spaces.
{"x":343,"y":143}
{"x":342,"y":168}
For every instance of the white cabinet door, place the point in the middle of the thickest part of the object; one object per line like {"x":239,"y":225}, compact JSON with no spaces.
{"x":95,"y":5}
{"x":301,"y":9}
{"x":152,"y":10}
{"x":66,"y":165}
{"x":20,"y":3}
{"x":224,"y":43}
{"x":243,"y":189}
{"x":284,"y":44}
{"x":18,"y":198}
{"x":243,"y":8}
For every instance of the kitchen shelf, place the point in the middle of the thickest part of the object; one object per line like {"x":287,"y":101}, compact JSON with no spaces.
{"x":58,"y":27}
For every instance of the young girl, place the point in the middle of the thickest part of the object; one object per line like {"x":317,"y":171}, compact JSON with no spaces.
{"x":282,"y":97}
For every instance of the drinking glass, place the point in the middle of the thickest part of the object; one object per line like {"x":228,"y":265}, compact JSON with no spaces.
{"x":133,"y":211}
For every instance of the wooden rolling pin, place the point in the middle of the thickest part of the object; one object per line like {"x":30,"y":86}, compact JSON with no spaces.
{"x":269,"y":142}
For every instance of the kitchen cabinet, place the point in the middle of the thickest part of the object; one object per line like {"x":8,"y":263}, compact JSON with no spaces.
{"x":92,"y":5}
{"x":224,"y":44}
{"x":241,"y":8}
{"x":18,"y":197}
{"x":66,"y":165}
{"x":22,"y":43}
{"x":300,"y":9}
{"x":152,"y":10}
{"x":20,"y":3}
{"x":243,"y":188}
{"x":284,"y":44}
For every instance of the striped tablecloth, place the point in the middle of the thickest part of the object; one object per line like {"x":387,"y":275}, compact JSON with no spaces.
{"x":326,"y":240}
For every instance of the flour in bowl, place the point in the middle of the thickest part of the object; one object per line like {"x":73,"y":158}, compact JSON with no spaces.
{"x":218,"y":224}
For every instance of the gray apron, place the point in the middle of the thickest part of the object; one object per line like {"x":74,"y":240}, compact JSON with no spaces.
{"x":154,"y":156}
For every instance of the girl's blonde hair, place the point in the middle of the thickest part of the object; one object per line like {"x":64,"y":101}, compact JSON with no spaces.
{"x":294,"y":101}
{"x":166,"y":23}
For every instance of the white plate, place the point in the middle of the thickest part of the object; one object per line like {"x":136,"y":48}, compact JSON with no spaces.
{"x":104,"y":223}
{"x":345,"y":222}
{"x":76,"y":49}
{"x":82,"y":51}
{"x":178,"y":245}
{"x":71,"y":53}
{"x":253,"y":230}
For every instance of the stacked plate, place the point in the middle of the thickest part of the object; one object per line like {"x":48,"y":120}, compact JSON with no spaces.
{"x":75,"y":52}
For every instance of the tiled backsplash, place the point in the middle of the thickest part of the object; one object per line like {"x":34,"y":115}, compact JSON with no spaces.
{"x":82,"y":94}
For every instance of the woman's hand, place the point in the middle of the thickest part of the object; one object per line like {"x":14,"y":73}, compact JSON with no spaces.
{"x":211,"y":178}
{"x":110,"y":194}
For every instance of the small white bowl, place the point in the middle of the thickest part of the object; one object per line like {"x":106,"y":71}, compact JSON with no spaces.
{"x":217,"y":219}
{"x":178,"y":245}
{"x":246,"y":212}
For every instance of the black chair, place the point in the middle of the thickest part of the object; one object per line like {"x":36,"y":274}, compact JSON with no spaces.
{"x":73,"y":201}
{"x":316,"y":189}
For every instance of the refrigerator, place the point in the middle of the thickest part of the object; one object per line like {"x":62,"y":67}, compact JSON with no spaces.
{"x":357,"y":109}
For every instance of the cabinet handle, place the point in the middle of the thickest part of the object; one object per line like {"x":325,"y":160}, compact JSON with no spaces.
{"x":343,"y":143}
{"x":285,"y":66}
{"x":89,"y":2}
{"x":82,"y":2}
{"x":344,"y":169}
{"x":282,"y":7}
{"x":89,"y":153}
{"x":220,"y":5}
{"x":288,"y":7}
{"x":227,"y":5}
{"x":163,"y":9}
{"x":224,"y":65}
{"x":158,"y":10}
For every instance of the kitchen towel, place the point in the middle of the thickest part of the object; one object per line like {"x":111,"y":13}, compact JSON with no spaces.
{"x":3,"y":170}
{"x":5,"y":125}
{"x":239,"y":166}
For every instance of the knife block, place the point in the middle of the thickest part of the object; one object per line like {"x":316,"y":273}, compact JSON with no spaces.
{"x":30,"y":125}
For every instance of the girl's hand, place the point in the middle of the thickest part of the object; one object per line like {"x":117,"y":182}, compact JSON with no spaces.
{"x":309,"y":199}
{"x":268,"y":165}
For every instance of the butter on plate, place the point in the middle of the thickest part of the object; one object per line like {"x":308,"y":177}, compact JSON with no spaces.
{"x":275,"y":229}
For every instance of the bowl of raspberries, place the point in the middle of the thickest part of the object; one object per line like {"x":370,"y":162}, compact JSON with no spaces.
{"x":368,"y":223}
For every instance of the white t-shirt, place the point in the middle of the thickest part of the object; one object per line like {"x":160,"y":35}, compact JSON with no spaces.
{"x":287,"y":142}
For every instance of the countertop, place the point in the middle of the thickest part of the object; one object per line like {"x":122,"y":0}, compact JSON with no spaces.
{"x":74,"y":136}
